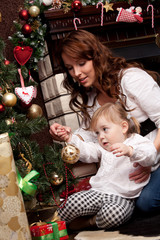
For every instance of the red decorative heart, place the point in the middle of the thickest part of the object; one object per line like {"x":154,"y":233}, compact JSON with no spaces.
{"x":22,"y":54}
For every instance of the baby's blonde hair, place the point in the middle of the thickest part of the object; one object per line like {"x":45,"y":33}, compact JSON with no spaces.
{"x":115,"y":112}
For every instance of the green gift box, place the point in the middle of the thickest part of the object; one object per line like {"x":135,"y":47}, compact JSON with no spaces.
{"x":50,"y":231}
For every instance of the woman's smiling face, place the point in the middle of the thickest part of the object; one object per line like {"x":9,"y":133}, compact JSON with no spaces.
{"x":81,"y":70}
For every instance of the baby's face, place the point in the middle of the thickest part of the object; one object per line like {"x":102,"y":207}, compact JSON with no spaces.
{"x":109,"y":133}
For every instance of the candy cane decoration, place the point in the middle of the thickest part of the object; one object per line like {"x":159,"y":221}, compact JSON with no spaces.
{"x":100,"y":3}
{"x":74,"y":22}
{"x":152,"y":14}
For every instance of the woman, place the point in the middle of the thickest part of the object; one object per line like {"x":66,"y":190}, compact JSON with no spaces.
{"x":95,"y":77}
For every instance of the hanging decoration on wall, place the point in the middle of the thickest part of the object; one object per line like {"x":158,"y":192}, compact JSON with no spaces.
{"x":98,"y":4}
{"x":108,"y":6}
{"x":74,"y":22}
{"x":0,"y":17}
{"x":131,"y":14}
{"x":57,"y":4}
{"x":150,"y":5}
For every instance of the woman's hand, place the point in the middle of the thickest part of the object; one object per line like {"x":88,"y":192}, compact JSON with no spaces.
{"x":64,"y":133}
{"x":54,"y":131}
{"x":141,"y":174}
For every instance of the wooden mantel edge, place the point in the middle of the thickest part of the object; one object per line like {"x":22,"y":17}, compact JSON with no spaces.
{"x":91,"y":9}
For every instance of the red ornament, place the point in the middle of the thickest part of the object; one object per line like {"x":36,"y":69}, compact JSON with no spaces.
{"x":22,"y":54}
{"x":76,"y":5}
{"x":2,"y":108}
{"x":24,"y":14}
{"x":6,"y":62}
{"x":26,"y":29}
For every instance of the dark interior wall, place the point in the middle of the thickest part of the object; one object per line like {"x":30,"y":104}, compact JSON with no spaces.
{"x":9,"y":10}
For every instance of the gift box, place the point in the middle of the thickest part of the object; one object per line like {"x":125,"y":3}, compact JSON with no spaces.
{"x":13,"y":218}
{"x":49,"y":231}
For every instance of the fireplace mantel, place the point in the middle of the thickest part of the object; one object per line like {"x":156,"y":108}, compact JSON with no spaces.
{"x":124,"y":38}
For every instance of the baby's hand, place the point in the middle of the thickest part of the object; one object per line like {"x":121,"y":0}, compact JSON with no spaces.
{"x":120,"y":149}
{"x":64,"y":133}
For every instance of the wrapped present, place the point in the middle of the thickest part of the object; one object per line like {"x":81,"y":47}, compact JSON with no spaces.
{"x":13,"y":218}
{"x":49,"y":231}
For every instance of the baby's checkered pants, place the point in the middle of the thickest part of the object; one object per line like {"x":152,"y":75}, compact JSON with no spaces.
{"x":110,"y":210}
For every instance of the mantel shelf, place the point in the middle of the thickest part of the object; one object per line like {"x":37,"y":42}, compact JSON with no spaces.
{"x":113,"y":34}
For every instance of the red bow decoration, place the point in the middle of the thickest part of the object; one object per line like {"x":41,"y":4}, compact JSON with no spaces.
{"x":22,"y":54}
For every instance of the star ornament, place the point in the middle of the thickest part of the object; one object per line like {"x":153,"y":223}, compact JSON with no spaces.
{"x":108,"y":6}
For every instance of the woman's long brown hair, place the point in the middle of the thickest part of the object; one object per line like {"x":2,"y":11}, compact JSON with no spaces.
{"x":81,"y":44}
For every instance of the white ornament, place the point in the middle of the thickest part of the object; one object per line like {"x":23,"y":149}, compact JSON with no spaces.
{"x":47,"y":2}
{"x":26,"y":94}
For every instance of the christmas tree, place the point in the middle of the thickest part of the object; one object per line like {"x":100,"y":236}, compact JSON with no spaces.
{"x":41,"y":174}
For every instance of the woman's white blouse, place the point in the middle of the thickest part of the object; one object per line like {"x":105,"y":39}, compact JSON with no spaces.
{"x":113,"y":174}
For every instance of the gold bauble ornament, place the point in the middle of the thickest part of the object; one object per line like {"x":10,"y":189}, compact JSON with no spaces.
{"x":34,"y":11}
{"x":9,"y":99}
{"x":34,"y":111}
{"x":55,"y":179}
{"x":70,"y":154}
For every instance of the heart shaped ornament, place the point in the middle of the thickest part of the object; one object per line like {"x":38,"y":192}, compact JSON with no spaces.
{"x":26,"y":94}
{"x":22,"y":54}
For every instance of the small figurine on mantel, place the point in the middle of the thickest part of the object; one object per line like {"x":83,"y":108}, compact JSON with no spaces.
{"x":131,"y":14}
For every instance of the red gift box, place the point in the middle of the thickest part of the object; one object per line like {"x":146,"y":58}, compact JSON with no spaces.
{"x":50,"y":231}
